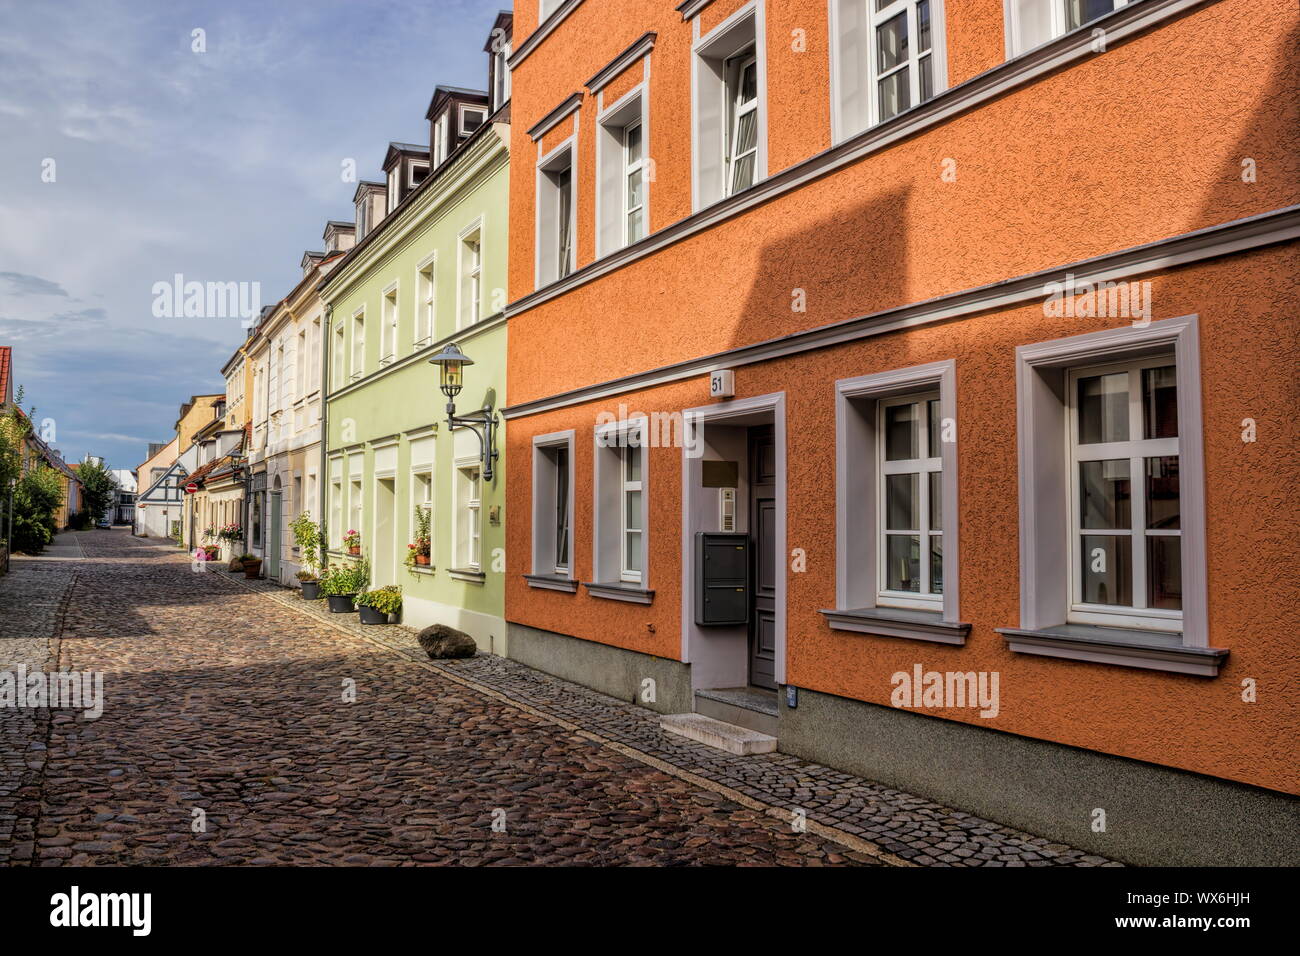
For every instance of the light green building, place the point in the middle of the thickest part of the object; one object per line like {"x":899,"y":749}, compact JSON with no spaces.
{"x":429,"y":268}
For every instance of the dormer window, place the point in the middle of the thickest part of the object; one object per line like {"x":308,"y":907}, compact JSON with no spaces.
{"x":471,"y":118}
{"x":393,"y":183}
{"x":441,"y":146}
{"x":416,"y":173}
{"x":363,"y":219}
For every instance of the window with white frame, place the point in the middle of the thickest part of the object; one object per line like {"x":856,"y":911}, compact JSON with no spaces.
{"x":471,"y":118}
{"x":500,"y":72}
{"x":546,"y":8}
{"x":742,"y":123}
{"x":422,"y":491}
{"x":910,"y":507}
{"x":388,"y":332}
{"x":1112,"y":497}
{"x":553,"y":504}
{"x":895,"y":500}
{"x":441,"y":138}
{"x":555,"y":216}
{"x":354,"y":503}
{"x":468,"y":538}
{"x":416,"y":173}
{"x":1124,"y":499}
{"x":393,"y":183}
{"x":622,"y":174}
{"x":471,"y":272}
{"x":1035,"y":22}
{"x":358,"y":344}
{"x":886,"y":57}
{"x":424,"y":306}
{"x":336,"y":528}
{"x":633,"y":518}
{"x":728,"y":111}
{"x":340,"y":346}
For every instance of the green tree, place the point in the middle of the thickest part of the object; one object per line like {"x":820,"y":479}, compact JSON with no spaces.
{"x":98,"y":486}
{"x":37,"y":496}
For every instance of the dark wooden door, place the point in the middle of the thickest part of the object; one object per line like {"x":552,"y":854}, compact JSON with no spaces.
{"x":762,"y":530}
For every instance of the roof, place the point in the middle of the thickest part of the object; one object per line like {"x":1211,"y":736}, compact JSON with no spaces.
{"x":441,"y":93}
{"x":5,"y":384}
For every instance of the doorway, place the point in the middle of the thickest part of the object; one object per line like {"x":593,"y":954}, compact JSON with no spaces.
{"x":762,"y":537}
{"x":273,"y":537}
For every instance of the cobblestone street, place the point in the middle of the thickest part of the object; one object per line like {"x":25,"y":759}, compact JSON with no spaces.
{"x":224,"y":706}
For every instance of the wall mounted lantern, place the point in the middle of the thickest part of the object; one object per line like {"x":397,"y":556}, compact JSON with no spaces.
{"x":451,"y":362}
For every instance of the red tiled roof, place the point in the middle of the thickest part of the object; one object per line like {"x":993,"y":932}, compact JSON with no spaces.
{"x":5,"y":363}
{"x":201,"y":472}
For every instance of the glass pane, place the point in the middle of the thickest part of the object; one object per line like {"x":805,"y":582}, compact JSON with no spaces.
{"x":633,"y":510}
{"x":902,"y":507}
{"x":1160,"y":402}
{"x":903,"y":563}
{"x":1079,"y":12}
{"x":632,"y":459}
{"x":1165,"y":572}
{"x":902,"y":423}
{"x":746,"y":132}
{"x":936,"y":501}
{"x":633,"y":556}
{"x":634,"y":226}
{"x":1103,"y":408}
{"x":749,"y":83}
{"x":633,"y":143}
{"x":936,"y":427}
{"x":1162,"y":492}
{"x":891,"y":42}
{"x":895,"y":95}
{"x":923,"y":26}
{"x":743,"y":173}
{"x":1105,"y":494}
{"x":926,"y":69}
{"x":936,"y":564}
{"x":634,"y":189}
{"x":1107,"y":569}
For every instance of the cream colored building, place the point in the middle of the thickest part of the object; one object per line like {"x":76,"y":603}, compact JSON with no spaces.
{"x":285,"y":451}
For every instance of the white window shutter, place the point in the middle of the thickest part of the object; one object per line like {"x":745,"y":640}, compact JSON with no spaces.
{"x":547,"y":226}
{"x":710,"y":143}
{"x":609,"y":232}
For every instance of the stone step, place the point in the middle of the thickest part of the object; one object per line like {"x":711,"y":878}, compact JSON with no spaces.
{"x":744,"y":706}
{"x":714,"y":733}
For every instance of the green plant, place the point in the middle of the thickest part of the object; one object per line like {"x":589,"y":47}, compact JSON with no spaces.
{"x":421,"y":547}
{"x":37,"y":497}
{"x":385,"y":600}
{"x":352,"y":539}
{"x":249,"y":557}
{"x":306,"y":535}
{"x":346,"y":578}
{"x":98,"y":486}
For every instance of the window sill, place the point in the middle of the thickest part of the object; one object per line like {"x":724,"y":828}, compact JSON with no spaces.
{"x":899,"y":622}
{"x":1150,"y":650}
{"x":619,"y":591}
{"x":422,"y":569}
{"x":552,"y":582}
{"x":469,"y":575}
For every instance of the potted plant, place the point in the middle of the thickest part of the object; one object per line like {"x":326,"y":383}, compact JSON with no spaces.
{"x":343,"y":583}
{"x":310,"y":585}
{"x":377,"y":605}
{"x":208,"y":552}
{"x":252,"y":565}
{"x":306,"y":535}
{"x":352,"y":541}
{"x":418,"y":552}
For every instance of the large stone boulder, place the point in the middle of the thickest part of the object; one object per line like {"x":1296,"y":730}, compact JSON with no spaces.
{"x":440,"y":641}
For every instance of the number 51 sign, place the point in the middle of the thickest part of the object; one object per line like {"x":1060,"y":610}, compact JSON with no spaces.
{"x":722,"y":383}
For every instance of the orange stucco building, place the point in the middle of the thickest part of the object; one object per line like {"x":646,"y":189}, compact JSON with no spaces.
{"x":970,"y":327}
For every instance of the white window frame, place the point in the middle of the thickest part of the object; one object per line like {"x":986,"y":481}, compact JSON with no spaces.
{"x":441,"y":138}
{"x":1135,"y":451}
{"x":388,"y":305}
{"x":610,"y":487}
{"x":501,"y":76}
{"x":735,"y":68}
{"x":628,"y":486}
{"x":340,"y":347}
{"x":426,"y":290}
{"x":468,"y":554}
{"x":358,"y":358}
{"x":546,"y":504}
{"x":859,"y":490}
{"x":631,"y":167}
{"x":938,"y":65}
{"x":549,"y":245}
{"x":1017,"y":43}
{"x":423,"y":468}
{"x":711,"y":128}
{"x":613,"y":170}
{"x":469,"y":303}
{"x":1043,"y":427}
{"x":922,"y":466}
{"x":411,"y":167}
{"x":463,"y":112}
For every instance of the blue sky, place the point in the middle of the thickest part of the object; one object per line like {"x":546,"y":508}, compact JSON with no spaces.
{"x":222,"y":166}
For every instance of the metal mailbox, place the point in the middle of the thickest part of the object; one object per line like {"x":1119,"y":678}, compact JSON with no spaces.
{"x":722,"y":578}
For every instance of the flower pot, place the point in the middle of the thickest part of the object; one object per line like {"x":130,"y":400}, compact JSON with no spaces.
{"x":310,"y":590}
{"x":370,"y":616}
{"x":252,"y":569}
{"x":355,"y":549}
{"x":340,"y":603}
{"x":422,"y":560}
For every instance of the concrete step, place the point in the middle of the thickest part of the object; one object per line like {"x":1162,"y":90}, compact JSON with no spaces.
{"x":737,"y":740}
{"x":750,"y":707}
